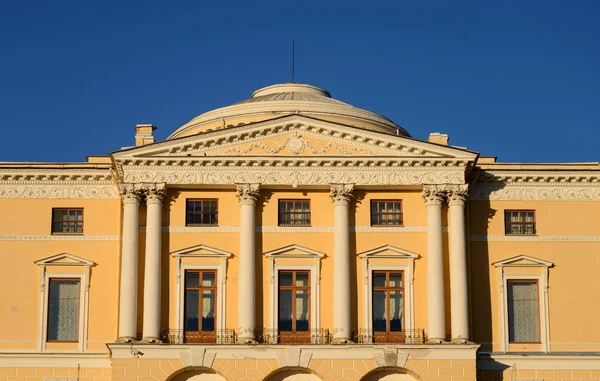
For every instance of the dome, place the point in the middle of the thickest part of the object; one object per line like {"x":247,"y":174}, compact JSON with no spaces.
{"x":285,"y":99}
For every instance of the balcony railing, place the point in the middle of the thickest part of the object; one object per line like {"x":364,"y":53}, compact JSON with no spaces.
{"x":275,"y":336}
{"x":180,"y":336}
{"x":409,"y":336}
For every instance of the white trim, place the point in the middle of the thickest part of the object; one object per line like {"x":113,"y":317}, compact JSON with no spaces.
{"x":295,"y":252}
{"x":408,"y":279}
{"x":535,"y":238}
{"x":57,"y":237}
{"x":542,"y":280}
{"x":201,"y":251}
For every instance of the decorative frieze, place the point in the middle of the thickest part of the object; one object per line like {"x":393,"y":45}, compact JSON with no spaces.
{"x":534,"y":238}
{"x":59,"y":191}
{"x":537,"y":192}
{"x":57,"y":237}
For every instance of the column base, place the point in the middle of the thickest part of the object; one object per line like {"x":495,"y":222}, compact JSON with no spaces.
{"x":459,"y":340}
{"x":126,"y":339}
{"x":151,"y":340}
{"x":341,"y":340}
{"x":436,"y":340}
{"x":246,"y":340}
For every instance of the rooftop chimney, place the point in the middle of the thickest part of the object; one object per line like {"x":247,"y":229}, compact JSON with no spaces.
{"x":437,"y":138}
{"x":144,"y":134}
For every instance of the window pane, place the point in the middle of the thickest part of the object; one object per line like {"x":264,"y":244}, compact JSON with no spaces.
{"x":208,"y":310}
{"x":302,"y":279}
{"x":192,"y":279}
{"x":523,"y":313}
{"x":285,"y":310}
{"x":395,"y":280}
{"x":379,"y":311}
{"x":379,"y":279}
{"x":208,"y":279}
{"x":285,"y":278}
{"x":302,"y":309}
{"x":59,"y":214}
{"x":396,"y":308}
{"x":191,"y":310}
{"x":63,"y":310}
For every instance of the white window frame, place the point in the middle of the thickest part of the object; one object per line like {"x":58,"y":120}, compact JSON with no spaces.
{"x":295,"y":252}
{"x":46,"y":274}
{"x":198,"y":252}
{"x":524,"y":261}
{"x":395,"y":253}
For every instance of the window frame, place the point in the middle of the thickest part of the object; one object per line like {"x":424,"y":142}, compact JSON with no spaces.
{"x":50,"y":279}
{"x":508,"y":322}
{"x":68,"y":209}
{"x":387,"y":289}
{"x":294,"y":200}
{"x":507,"y":224}
{"x":200,"y":333}
{"x":401,"y":213}
{"x":202,"y":200}
{"x":294,"y":288}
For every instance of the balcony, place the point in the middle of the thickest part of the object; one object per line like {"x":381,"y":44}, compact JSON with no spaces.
{"x":275,"y":336}
{"x":179,"y":336}
{"x":409,"y":336}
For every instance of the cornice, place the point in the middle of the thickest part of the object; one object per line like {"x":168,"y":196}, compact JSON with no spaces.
{"x":48,"y":237}
{"x":290,"y":173}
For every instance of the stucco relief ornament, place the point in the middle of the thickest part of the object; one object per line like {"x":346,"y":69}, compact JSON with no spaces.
{"x":434,"y":194}
{"x":155,"y":194}
{"x":457,"y":194}
{"x":130,"y":194}
{"x":247,"y":193}
{"x":296,"y":144}
{"x":341,"y":193}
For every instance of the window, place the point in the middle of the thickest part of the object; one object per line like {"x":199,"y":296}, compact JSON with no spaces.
{"x":294,"y":306}
{"x":523,"y":311}
{"x":294,"y":212}
{"x":67,"y":220}
{"x":63,"y":310}
{"x":386,"y":212}
{"x":200,"y":306}
{"x":388,"y":304}
{"x":201,"y":212}
{"x":519,"y":222}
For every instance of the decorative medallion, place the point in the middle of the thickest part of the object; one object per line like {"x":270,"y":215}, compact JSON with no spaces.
{"x":296,"y":144}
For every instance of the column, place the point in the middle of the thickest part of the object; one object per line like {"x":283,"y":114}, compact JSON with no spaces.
{"x":436,"y":325}
{"x":247,"y":195}
{"x":459,"y":303}
{"x":129,"y":265}
{"x":152,"y":270}
{"x":341,"y":194}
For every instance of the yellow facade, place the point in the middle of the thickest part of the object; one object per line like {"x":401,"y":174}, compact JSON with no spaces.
{"x":131,"y":257}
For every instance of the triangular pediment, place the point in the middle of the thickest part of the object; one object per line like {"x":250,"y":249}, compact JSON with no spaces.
{"x":293,"y":136}
{"x":523,"y":261}
{"x":201,"y":251}
{"x":294,"y":251}
{"x":389,"y":251}
{"x":64,"y":259}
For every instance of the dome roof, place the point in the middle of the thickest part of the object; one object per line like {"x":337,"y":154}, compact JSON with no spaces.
{"x":285,"y":99}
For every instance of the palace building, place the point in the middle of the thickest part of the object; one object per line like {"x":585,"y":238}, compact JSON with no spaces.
{"x":292,"y":236}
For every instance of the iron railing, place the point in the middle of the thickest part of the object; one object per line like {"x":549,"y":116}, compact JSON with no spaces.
{"x":275,"y":336}
{"x":180,"y":336}
{"x":408,"y":336}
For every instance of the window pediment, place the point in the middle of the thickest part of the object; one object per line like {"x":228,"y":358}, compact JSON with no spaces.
{"x":65,"y":259}
{"x":294,"y":251}
{"x":201,"y":251}
{"x":389,"y":251}
{"x":523,"y":261}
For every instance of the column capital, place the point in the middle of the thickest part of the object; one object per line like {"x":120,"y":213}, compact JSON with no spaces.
{"x":247,"y":194}
{"x":155,"y":193}
{"x":341,"y":194}
{"x":130,"y":194}
{"x":457,"y":194}
{"x":434,"y":194}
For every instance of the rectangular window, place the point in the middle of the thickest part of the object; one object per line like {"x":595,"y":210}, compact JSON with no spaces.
{"x":294,"y":212}
{"x":67,"y":221}
{"x":200,"y":306}
{"x":63,"y":310}
{"x":519,"y":222}
{"x":523,"y":311}
{"x":294,"y":306}
{"x":201,"y":212}
{"x":386,"y":213}
{"x":388,"y":307}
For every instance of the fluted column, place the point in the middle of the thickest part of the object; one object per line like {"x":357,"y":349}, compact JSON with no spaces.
{"x":247,"y":195}
{"x":459,"y":303}
{"x":436,"y":324}
{"x":129,"y":263}
{"x":152,"y":270}
{"x":341,"y":194}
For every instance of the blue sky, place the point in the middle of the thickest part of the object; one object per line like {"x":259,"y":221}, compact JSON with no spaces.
{"x":514,"y":79}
